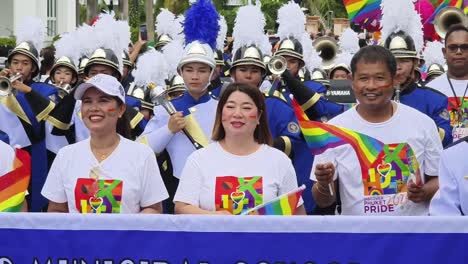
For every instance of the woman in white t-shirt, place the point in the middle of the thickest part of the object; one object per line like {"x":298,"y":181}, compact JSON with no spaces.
{"x":239,"y":170}
{"x":106,"y":173}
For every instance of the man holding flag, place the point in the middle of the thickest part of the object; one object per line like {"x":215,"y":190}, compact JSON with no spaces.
{"x":373,"y":150}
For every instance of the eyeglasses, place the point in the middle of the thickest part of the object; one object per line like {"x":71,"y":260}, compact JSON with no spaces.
{"x":453,"y":48}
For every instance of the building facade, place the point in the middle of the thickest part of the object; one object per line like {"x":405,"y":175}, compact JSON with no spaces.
{"x":58,"y":15}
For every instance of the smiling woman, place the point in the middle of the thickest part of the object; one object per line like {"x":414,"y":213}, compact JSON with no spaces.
{"x":91,"y":176}
{"x":240,"y":170}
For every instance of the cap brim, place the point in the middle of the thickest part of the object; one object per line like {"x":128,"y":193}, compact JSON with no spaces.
{"x":82,"y":88}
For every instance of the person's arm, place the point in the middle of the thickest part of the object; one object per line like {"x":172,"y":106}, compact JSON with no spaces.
{"x":447,"y":200}
{"x":160,"y":129}
{"x":152,"y":209}
{"x":153,"y":190}
{"x":57,"y":207}
{"x":419,"y":193}
{"x":185,"y":208}
{"x":24,"y":207}
{"x":300,"y":210}
{"x":441,"y":116}
{"x":136,"y":49}
{"x":323,"y":195}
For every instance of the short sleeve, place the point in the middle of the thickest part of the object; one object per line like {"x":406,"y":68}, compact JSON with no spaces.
{"x":190,"y":183}
{"x":54,"y":189}
{"x":432,"y":151}
{"x":289,"y":181}
{"x":153,"y":188}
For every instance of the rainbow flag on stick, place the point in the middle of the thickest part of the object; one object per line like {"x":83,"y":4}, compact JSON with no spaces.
{"x":285,"y":204}
{"x":13,"y":185}
{"x":321,"y":136}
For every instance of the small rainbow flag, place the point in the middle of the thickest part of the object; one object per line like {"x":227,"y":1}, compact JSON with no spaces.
{"x":13,"y":185}
{"x":285,"y":204}
{"x":321,"y":136}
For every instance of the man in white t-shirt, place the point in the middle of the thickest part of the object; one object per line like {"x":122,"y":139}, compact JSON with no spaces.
{"x":380,"y":189}
{"x":454,"y":83}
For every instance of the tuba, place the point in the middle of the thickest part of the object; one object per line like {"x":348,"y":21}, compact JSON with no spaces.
{"x":6,"y":88}
{"x":447,"y":17}
{"x":327,"y":49}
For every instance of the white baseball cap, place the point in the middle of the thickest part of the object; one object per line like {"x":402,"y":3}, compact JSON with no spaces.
{"x":106,"y":83}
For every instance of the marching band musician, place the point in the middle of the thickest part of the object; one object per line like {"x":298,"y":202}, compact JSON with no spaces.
{"x":427,"y":100}
{"x":25,"y":106}
{"x":184,"y":124}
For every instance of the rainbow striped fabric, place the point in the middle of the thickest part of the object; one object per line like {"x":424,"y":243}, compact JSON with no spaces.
{"x":322,"y":136}
{"x":362,"y":11}
{"x":13,"y":185}
{"x":285,"y":204}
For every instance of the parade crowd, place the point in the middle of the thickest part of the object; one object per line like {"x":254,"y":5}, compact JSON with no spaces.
{"x":197,"y":124}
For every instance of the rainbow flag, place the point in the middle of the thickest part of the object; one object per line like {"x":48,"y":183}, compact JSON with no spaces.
{"x":285,"y":204}
{"x":462,"y":4}
{"x":361,"y":11}
{"x":321,"y":136}
{"x":13,"y":185}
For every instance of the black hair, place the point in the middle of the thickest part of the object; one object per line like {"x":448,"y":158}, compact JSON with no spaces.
{"x":454,"y":28}
{"x":123,"y":123}
{"x":374,"y":54}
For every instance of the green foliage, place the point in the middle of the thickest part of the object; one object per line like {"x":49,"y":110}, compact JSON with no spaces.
{"x":270,"y":10}
{"x":321,"y":7}
{"x":8,"y":42}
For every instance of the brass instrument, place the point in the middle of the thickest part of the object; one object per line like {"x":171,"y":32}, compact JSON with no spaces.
{"x":63,"y":89}
{"x":277,"y":65}
{"x":162,"y":100}
{"x":447,"y":17}
{"x":6,"y":88}
{"x":327,"y":49}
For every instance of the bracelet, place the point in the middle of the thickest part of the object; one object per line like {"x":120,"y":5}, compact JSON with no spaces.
{"x":321,"y":192}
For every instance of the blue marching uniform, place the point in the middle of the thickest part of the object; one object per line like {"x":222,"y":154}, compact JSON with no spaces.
{"x":288,"y":138}
{"x":308,"y":95}
{"x":25,"y":126}
{"x":432,"y":103}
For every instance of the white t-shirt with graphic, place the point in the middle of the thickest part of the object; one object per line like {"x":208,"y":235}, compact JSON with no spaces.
{"x":407,"y":125}
{"x":124,"y":182}
{"x":7,"y":156}
{"x":441,"y":83}
{"x":214,"y":179}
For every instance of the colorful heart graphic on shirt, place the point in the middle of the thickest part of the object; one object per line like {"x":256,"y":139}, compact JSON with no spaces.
{"x":237,"y":197}
{"x":384,"y":169}
{"x":95,"y":202}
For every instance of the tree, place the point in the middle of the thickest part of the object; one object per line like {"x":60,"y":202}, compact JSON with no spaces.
{"x":92,"y":9}
{"x":149,"y":19}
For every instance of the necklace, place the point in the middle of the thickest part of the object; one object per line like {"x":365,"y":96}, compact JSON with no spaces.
{"x":459,"y":111}
{"x":100,"y":154}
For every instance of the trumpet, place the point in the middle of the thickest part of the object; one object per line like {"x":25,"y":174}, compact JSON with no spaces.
{"x":6,"y":88}
{"x":63,"y":89}
{"x":277,"y":65}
